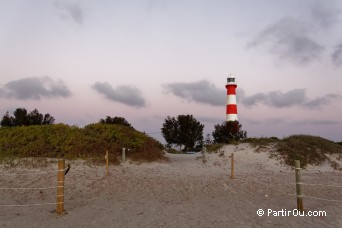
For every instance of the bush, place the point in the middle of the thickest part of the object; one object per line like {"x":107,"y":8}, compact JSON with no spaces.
{"x":308,"y":149}
{"x":63,"y":141}
{"x":228,"y":132}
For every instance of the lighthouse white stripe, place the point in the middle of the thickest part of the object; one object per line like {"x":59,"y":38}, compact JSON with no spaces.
{"x":231,"y":117}
{"x":231,"y":99}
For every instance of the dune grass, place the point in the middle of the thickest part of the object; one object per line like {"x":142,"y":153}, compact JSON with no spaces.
{"x":71,"y":142}
{"x":310,"y":150}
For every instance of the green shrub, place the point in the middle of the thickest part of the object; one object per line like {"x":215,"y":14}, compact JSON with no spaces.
{"x":308,"y":149}
{"x":60,"y":140}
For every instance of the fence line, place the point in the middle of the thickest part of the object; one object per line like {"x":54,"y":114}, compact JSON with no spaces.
{"x":299,"y":194}
{"x":29,"y":173}
{"x":61,"y":172}
{"x":327,"y":185}
{"x":27,"y":188}
{"x":339,"y":201}
{"x":27,"y":205}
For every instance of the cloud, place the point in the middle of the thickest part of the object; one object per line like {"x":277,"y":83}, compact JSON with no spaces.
{"x":324,"y":13}
{"x":316,"y":122}
{"x":34,"y":88}
{"x":295,"y":38}
{"x":155,"y":4}
{"x":200,"y":92}
{"x":337,"y":55}
{"x":289,"y":39}
{"x":286,"y":120}
{"x":210,"y":120}
{"x":296,"y":97}
{"x":125,"y":94}
{"x":67,"y":10}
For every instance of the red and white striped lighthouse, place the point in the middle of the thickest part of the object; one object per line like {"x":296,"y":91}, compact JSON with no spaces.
{"x":231,"y":112}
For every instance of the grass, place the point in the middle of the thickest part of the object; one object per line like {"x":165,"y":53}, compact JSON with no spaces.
{"x":310,"y":150}
{"x":214,"y":148}
{"x":71,"y":142}
{"x":262,"y":142}
{"x":174,"y":151}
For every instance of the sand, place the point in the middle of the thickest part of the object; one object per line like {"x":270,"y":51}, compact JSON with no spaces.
{"x":183,"y":192}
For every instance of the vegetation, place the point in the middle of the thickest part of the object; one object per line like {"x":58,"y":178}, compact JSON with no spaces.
{"x":261,"y":143}
{"x":308,"y":149}
{"x":214,"y":147}
{"x":22,"y":118}
{"x":90,"y":142}
{"x":115,"y":120}
{"x":228,"y":132}
{"x":184,"y":130}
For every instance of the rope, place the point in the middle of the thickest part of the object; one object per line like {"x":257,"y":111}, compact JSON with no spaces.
{"x":28,"y":205}
{"x":340,"y":201}
{"x":304,"y":196}
{"x":30,"y":188}
{"x":328,"y":185}
{"x":29,"y":173}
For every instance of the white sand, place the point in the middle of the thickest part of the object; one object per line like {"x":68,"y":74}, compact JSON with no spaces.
{"x":183,"y":192}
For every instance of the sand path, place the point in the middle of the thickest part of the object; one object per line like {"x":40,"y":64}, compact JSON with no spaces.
{"x":183,"y":192}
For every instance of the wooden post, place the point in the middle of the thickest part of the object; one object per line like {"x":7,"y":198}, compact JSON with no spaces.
{"x":106,"y":157}
{"x":300,"y":206}
{"x":204,"y":154}
{"x":232,"y":166}
{"x":60,"y":187}
{"x":123,"y":155}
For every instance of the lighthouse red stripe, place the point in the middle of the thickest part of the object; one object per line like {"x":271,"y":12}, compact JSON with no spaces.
{"x":231,"y":90}
{"x":231,"y":109}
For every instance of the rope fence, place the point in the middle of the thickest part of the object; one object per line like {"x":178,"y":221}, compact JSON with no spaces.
{"x":298,"y":183}
{"x":327,"y":185}
{"x":29,"y":205}
{"x":27,"y":188}
{"x":28,"y":173}
{"x":61,"y":172}
{"x":299,"y":194}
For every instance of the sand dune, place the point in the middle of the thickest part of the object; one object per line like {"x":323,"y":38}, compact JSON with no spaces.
{"x":183,"y":192}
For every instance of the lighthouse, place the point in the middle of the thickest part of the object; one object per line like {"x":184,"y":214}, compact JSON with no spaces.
{"x":231,"y":111}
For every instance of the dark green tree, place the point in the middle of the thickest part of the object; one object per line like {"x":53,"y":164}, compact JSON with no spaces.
{"x":115,"y":120}
{"x":7,"y":120}
{"x":170,"y":131}
{"x":20,"y":117}
{"x":48,"y":119}
{"x":228,"y":131}
{"x":184,"y":130}
{"x":35,"y":118}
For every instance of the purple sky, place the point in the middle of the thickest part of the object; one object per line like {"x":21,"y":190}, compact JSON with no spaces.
{"x":83,"y":60}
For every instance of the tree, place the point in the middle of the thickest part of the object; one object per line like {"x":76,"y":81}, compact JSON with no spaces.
{"x":22,"y":118}
{"x":35,"y":118}
{"x":184,"y":130}
{"x":115,"y":120}
{"x":228,"y":131}
{"x":48,"y":119}
{"x":170,"y":131}
{"x":7,"y":120}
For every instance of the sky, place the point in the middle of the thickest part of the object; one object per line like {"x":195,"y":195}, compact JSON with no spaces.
{"x":144,"y":60}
